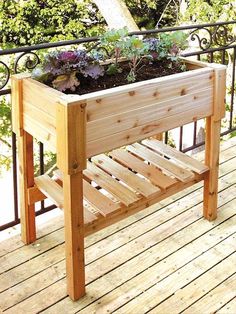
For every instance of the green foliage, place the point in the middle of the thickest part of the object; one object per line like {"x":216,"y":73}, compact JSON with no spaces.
{"x":5,"y":119}
{"x":149,"y":13}
{"x":201,"y":11}
{"x":171,"y":44}
{"x":113,"y":42}
{"x":134,"y":49}
{"x":27,"y":22}
{"x":5,"y":132}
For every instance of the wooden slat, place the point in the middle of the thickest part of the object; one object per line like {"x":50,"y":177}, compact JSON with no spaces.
{"x":89,"y":216}
{"x":51,"y":189}
{"x":101,"y":202}
{"x":222,"y":294}
{"x":229,"y":308}
{"x":119,"y":191}
{"x":174,"y":154}
{"x":34,"y":127}
{"x":147,"y":170}
{"x":162,"y":163}
{"x":41,"y":96}
{"x":139,"y":94}
{"x":192,"y":292}
{"x":46,"y":121}
{"x":144,"y":131}
{"x":124,"y":119}
{"x":132,"y":180}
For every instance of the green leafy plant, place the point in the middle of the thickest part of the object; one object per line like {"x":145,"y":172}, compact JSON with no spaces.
{"x":171,"y":44}
{"x":134,"y":50}
{"x":113,"y":41}
{"x":64,"y":70}
{"x":5,"y":131}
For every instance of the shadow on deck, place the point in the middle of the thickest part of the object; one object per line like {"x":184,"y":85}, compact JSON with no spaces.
{"x":165,"y":259}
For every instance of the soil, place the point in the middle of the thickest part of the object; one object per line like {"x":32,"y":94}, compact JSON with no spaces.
{"x":146,"y":71}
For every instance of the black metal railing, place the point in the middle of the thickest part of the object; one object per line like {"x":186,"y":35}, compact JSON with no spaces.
{"x":213,"y":42}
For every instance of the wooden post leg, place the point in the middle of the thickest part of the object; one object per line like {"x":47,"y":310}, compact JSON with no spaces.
{"x":212,"y":161}
{"x":74,"y":234}
{"x":26,"y":176}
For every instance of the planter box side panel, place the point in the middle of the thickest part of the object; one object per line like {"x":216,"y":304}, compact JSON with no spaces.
{"x":39,"y":112}
{"x":120,"y":119}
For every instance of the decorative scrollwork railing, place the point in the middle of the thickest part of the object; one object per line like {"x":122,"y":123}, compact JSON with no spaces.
{"x":4,"y":74}
{"x":28,"y":63}
{"x":216,"y":36}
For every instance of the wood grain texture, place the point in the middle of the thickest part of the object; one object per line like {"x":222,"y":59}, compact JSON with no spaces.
{"x":17,"y":102}
{"x":26,"y":178}
{"x":71,"y":137}
{"x":176,"y":155}
{"x":132,"y":180}
{"x":160,"y":162}
{"x":212,"y":147}
{"x":147,"y":170}
{"x":74,"y":234}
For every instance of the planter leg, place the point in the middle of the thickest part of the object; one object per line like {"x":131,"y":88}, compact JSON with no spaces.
{"x":26,"y":177}
{"x":74,"y":234}
{"x":212,"y":161}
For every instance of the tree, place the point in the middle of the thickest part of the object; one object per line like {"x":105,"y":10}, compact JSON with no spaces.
{"x":116,"y":14}
{"x":38,"y":21}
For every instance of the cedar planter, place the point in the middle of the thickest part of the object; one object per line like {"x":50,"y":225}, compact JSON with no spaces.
{"x":79,"y":127}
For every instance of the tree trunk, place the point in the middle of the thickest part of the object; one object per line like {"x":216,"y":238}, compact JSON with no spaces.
{"x":116,"y":14}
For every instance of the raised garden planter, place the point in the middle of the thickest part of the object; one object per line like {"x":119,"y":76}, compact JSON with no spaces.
{"x":119,"y":121}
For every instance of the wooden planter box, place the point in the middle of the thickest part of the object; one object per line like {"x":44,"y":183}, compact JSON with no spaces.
{"x":135,"y":172}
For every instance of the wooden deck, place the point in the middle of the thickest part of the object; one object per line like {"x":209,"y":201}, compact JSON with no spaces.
{"x":165,"y":259}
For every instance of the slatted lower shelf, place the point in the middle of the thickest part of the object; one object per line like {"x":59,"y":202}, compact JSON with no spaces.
{"x":126,"y":180}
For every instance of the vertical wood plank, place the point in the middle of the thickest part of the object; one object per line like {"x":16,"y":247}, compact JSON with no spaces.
{"x":74,"y":234}
{"x":26,"y":163}
{"x":17,"y":103}
{"x":71,"y":136}
{"x":219,"y":91}
{"x":71,"y":160}
{"x":26,"y":180}
{"x":212,"y":147}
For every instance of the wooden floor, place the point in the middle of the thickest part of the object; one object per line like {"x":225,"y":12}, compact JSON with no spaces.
{"x":165,"y":259}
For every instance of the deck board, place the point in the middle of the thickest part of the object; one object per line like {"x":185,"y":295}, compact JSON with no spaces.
{"x":131,"y":266}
